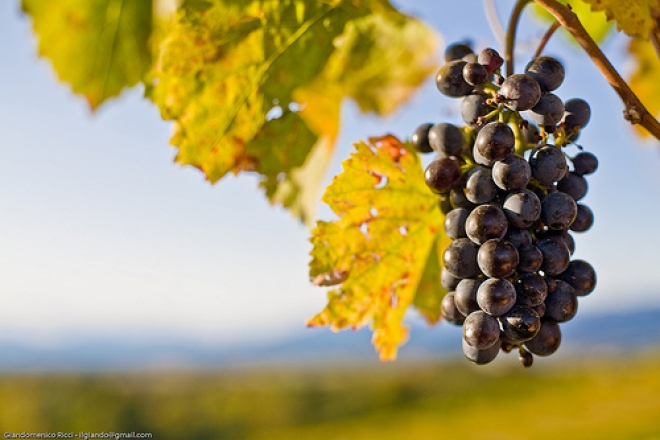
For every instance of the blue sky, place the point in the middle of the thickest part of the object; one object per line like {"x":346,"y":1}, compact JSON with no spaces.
{"x":101,"y":233}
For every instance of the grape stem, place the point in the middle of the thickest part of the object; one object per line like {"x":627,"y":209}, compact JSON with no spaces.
{"x":546,"y":38}
{"x":635,"y":112}
{"x":511,"y":34}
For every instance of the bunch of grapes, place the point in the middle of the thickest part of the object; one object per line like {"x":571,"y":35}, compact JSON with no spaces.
{"x":510,"y":200}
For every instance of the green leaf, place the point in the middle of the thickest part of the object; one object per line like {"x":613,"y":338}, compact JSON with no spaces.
{"x":594,"y":22}
{"x":258,"y":85}
{"x":383,"y":249}
{"x":644,"y":79}
{"x":98,"y":47}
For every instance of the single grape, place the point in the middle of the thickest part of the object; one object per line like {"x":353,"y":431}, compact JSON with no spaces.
{"x":474,"y":108}
{"x":498,"y":258}
{"x":495,"y":141}
{"x":531,"y":259}
{"x":548,"y":164}
{"x":525,"y":358}
{"x":548,"y":111}
{"x":450,"y":81}
{"x":490,"y":59}
{"x":446,"y":139}
{"x":547,"y":340}
{"x":443,"y":174}
{"x":460,"y":258}
{"x":518,"y":237}
{"x":561,"y":303}
{"x":447,"y":280}
{"x":511,"y":173}
{"x":555,"y":257}
{"x":520,"y":92}
{"x":583,"y":220}
{"x":574,"y":185}
{"x":484,"y":223}
{"x":585,"y":163}
{"x":496,"y":296}
{"x":531,"y":289}
{"x":562,"y":237}
{"x":475,"y":74}
{"x":457,"y":51}
{"x":577,"y":114}
{"x":581,"y":276}
{"x":455,"y":223}
{"x":465,"y":296}
{"x":420,"y":138}
{"x":478,"y":158}
{"x":521,"y":323}
{"x":449,"y":311}
{"x":479,"y":187}
{"x":522,"y":208}
{"x":530,"y":133}
{"x":547,"y":71}
{"x":558,"y":211}
{"x":481,"y":330}
{"x":458,"y":199}
{"x":481,"y":357}
{"x":540,"y":309}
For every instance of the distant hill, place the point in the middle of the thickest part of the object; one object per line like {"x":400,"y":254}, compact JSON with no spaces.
{"x":622,"y":332}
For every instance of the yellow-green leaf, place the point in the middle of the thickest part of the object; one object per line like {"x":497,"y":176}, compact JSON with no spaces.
{"x":634,"y":17}
{"x":383,"y":249}
{"x":644,"y":80}
{"x":257,"y":85}
{"x":595,"y":22}
{"x":98,"y":47}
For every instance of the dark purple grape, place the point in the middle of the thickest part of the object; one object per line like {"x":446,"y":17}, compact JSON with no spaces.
{"x":583,"y":220}
{"x":525,"y":358}
{"x":548,"y":111}
{"x":562,"y":237}
{"x":574,"y":185}
{"x":479,"y":186}
{"x":449,"y":311}
{"x":540,"y":309}
{"x":498,"y":258}
{"x":450,"y":81}
{"x":458,"y":199}
{"x":460,"y":258}
{"x":481,"y":330}
{"x":465,"y":296}
{"x":521,"y":323}
{"x":443,"y":174}
{"x":445,"y":203}
{"x":555,"y":257}
{"x":512,"y":173}
{"x":475,"y":74}
{"x":547,"y":71}
{"x":585,"y":163}
{"x":547,"y":340}
{"x":481,"y":357}
{"x":474,"y":108}
{"x":457,"y":51}
{"x":447,"y":280}
{"x":522,"y":208}
{"x":548,"y":164}
{"x":558,"y":211}
{"x":581,"y":276}
{"x":484,"y":223}
{"x":455,"y":223}
{"x":490,"y":59}
{"x":478,"y":158}
{"x":446,"y":139}
{"x":577,"y":114}
{"x":530,"y":133}
{"x":420,"y":138}
{"x":561,"y":303}
{"x":520,"y":92}
{"x":495,"y":141}
{"x":518,"y":237}
{"x":496,"y":296}
{"x":531,"y":259}
{"x":531,"y":289}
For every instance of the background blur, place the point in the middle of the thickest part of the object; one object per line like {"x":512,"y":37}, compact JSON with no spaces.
{"x":141,"y":298}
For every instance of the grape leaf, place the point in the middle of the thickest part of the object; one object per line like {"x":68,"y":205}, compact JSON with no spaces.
{"x":644,"y":79}
{"x":98,"y":47}
{"x":257,"y":85}
{"x":383,"y":250}
{"x":594,"y":22}
{"x":634,"y":17}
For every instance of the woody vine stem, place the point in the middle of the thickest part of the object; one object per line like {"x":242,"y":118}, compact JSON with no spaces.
{"x":634,"y":111}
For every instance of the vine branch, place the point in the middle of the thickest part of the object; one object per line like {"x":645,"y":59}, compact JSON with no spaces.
{"x":546,"y":38}
{"x":635,"y":112}
{"x":511,"y":34}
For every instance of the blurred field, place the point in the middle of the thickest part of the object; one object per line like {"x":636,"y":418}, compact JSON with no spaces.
{"x":599,"y":398}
